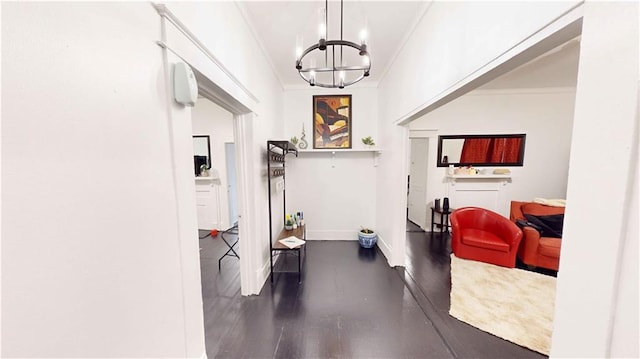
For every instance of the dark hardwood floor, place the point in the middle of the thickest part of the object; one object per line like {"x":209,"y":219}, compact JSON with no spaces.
{"x":427,"y":272}
{"x":350,"y":304}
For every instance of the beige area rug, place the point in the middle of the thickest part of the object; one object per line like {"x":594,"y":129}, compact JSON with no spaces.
{"x":513,"y":304}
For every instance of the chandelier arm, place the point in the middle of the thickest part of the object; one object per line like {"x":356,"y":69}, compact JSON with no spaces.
{"x":331,"y":43}
{"x":330,"y":69}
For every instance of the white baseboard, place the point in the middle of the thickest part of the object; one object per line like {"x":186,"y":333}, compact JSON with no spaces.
{"x":324,"y":235}
{"x":385,"y":249}
{"x":262,"y":275}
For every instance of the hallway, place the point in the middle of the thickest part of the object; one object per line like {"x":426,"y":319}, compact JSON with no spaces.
{"x":350,"y":304}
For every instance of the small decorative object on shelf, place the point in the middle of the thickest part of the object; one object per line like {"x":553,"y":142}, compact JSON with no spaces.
{"x":294,"y":140}
{"x":445,"y":204}
{"x":367,"y":237}
{"x":368,"y":141}
{"x":288,"y":223}
{"x":204,"y":172}
{"x":501,"y":171}
{"x":303,"y":143}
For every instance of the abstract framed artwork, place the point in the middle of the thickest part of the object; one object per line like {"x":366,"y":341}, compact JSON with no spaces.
{"x":332,"y":121}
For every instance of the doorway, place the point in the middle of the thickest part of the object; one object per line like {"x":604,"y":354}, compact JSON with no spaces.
{"x":417,"y":194}
{"x":212,"y":196}
{"x":230,"y":159}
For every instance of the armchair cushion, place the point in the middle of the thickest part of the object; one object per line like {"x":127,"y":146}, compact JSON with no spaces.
{"x":483,"y":239}
{"x":549,"y":247}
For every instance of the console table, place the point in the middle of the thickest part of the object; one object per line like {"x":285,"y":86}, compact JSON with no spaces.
{"x":283,"y":253}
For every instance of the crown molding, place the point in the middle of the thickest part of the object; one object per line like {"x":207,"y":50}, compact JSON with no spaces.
{"x":522,"y":91}
{"x":245,"y":16}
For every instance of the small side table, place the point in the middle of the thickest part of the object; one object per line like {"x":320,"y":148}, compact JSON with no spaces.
{"x":444,"y":218}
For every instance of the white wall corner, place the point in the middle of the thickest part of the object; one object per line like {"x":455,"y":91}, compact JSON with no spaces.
{"x":385,"y":249}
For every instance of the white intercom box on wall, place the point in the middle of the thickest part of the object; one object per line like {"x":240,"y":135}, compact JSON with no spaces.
{"x":185,"y":86}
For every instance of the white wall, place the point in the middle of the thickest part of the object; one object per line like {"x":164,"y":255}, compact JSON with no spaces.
{"x":221,"y":27}
{"x":115,"y":272}
{"x":598,"y":265}
{"x":544,"y":115}
{"x":447,"y":48}
{"x":454,"y":41}
{"x":337,"y":195}
{"x":211,"y":119}
{"x":92,"y":253}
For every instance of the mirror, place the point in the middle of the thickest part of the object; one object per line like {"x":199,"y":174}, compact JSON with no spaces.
{"x":481,"y":150}
{"x":201,"y":153}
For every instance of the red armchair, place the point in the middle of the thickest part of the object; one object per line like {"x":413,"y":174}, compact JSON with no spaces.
{"x":485,"y":236}
{"x":536,"y":250}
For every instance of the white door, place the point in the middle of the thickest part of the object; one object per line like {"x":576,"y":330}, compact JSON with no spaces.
{"x":230,"y":158}
{"x":417,"y":198}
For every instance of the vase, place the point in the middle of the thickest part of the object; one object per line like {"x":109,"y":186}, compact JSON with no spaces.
{"x":367,"y":240}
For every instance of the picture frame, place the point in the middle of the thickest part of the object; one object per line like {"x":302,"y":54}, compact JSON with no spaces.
{"x":332,"y":121}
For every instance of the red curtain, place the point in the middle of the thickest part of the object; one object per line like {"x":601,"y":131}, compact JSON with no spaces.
{"x":474,"y":150}
{"x":490,"y":150}
{"x":511,"y":150}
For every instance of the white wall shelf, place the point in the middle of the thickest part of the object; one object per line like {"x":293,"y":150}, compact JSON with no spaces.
{"x":376,"y":152}
{"x":206,"y":178}
{"x":477,"y":176}
{"x":469,"y":178}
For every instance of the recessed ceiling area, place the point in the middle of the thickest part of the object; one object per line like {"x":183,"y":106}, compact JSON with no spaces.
{"x":276,"y":24}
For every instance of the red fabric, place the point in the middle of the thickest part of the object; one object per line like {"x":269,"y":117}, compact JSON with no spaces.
{"x":511,"y":150}
{"x":491,"y":150}
{"x":474,"y":229}
{"x":483,"y":239}
{"x":549,"y":247}
{"x":474,"y":150}
{"x":535,"y":250}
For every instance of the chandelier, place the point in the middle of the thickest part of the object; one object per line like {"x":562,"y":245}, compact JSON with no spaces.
{"x":333,"y":55}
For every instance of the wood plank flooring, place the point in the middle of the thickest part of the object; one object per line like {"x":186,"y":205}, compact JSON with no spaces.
{"x":350,"y":304}
{"x":427,"y":272}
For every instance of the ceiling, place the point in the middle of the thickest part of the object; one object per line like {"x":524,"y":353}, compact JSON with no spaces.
{"x":276,"y":24}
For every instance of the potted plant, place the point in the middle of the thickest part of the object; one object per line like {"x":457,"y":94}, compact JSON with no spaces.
{"x":368,"y":141}
{"x":367,"y":237}
{"x":288,"y":223}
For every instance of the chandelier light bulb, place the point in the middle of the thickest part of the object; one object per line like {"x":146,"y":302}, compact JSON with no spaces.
{"x":363,"y":36}
{"x":299,"y":44}
{"x":323,"y":24}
